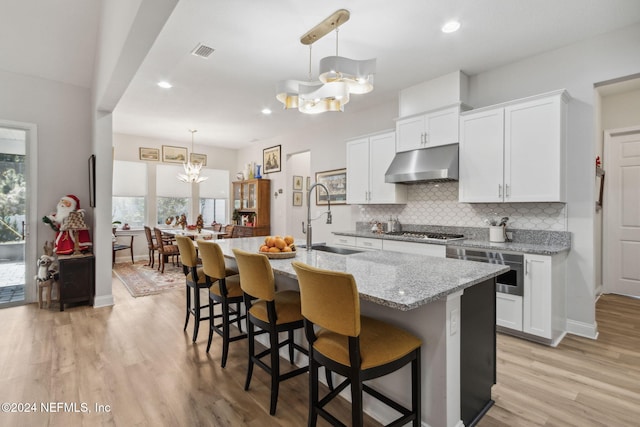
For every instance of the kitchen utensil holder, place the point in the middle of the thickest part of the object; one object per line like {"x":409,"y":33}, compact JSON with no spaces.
{"x":496,"y":234}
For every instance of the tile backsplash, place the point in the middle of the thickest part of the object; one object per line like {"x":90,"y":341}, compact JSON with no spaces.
{"x":437,"y":204}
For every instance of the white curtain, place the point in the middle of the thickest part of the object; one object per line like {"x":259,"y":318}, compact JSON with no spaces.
{"x":167,"y":184}
{"x":217,"y":186}
{"x":129,"y":179}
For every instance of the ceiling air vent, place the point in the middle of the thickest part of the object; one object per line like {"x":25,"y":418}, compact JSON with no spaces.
{"x":203,"y":51}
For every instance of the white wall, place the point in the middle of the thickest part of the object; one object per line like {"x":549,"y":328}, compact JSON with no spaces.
{"x":62,"y":114}
{"x":298,"y":164}
{"x":127,"y":32}
{"x":325,"y":139}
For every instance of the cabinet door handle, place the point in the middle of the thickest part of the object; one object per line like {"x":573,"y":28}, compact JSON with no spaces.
{"x":499,"y":190}
{"x":526,"y":268}
{"x":367,"y":243}
{"x":426,"y":138}
{"x":507,"y":191}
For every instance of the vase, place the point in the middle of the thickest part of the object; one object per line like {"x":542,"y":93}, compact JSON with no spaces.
{"x":258,"y":176}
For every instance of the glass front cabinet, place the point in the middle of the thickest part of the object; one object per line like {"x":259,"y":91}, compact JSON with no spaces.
{"x":252,"y":206}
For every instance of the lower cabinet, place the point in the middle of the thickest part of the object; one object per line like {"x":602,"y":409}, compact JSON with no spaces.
{"x":541,"y":311}
{"x":509,"y":311}
{"x":77,"y":279}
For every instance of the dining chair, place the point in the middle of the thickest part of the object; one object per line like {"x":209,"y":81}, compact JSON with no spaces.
{"x":217,"y":227}
{"x":273,"y":312}
{"x":357,"y":347}
{"x":164,"y":251}
{"x":151,"y":245}
{"x":224,"y":288}
{"x":228,"y":232}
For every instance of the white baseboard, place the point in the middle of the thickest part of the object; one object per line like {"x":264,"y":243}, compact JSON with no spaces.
{"x":587,"y":330}
{"x":103,"y":301}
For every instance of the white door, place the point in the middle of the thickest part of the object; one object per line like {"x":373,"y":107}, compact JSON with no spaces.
{"x":621,"y":215}
{"x":358,"y":171}
{"x":481,"y":156}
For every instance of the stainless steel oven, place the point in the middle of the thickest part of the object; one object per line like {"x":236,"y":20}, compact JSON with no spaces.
{"x":511,"y":282}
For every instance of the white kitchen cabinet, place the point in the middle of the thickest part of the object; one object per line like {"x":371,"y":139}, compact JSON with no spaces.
{"x":537,"y":296}
{"x":368,"y":158}
{"x":415,"y":248}
{"x":509,"y":311}
{"x":544,"y":303}
{"x":369,"y":243}
{"x":514,"y":152}
{"x":428,"y":130}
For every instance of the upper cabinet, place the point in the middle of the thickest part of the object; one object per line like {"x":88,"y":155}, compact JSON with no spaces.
{"x":368,"y":158}
{"x":253,"y":197}
{"x":514,"y":152}
{"x":431,"y":129}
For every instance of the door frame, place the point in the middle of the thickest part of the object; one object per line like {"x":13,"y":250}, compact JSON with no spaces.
{"x":607,"y":206}
{"x":31,"y":203}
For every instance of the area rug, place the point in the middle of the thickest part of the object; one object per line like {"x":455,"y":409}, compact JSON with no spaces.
{"x":141,"y":280}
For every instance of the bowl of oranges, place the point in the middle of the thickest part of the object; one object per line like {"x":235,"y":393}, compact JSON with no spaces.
{"x":278,"y":247}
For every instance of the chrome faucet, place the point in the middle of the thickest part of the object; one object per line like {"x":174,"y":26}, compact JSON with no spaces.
{"x":328,"y":212}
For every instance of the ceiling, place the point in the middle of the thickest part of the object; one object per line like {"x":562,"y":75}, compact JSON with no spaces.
{"x":257,"y":44}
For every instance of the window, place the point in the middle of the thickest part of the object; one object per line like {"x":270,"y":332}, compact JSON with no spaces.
{"x":213,"y":210}
{"x":171,"y":200}
{"x":214,"y":194}
{"x":129,"y":192}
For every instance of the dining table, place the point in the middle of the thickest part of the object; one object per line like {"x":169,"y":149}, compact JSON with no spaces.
{"x":194,"y":234}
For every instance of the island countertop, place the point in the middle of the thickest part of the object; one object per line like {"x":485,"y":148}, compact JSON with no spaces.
{"x":393,"y":279}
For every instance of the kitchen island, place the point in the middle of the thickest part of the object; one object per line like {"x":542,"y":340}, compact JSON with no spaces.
{"x":448,"y":303}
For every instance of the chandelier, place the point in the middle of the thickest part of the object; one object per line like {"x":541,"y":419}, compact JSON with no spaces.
{"x":339,"y":76}
{"x":192,"y":169}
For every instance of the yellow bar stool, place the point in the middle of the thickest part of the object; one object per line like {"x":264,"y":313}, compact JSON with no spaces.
{"x":273,"y":312}
{"x":357,"y":347}
{"x":224,"y":288}
{"x":195,"y":279}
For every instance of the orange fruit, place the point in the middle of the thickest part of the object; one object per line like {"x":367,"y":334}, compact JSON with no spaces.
{"x":266,"y":239}
{"x":274,"y":249}
{"x":271,"y":242}
{"x":280,"y":243}
{"x":264,"y":248}
{"x":287,"y":249}
{"x":288,"y":239}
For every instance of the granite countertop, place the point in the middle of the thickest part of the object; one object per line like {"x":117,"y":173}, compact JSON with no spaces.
{"x":392,"y":279}
{"x":530,"y":247}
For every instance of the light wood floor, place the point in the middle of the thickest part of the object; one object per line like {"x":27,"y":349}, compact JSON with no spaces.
{"x":135,"y":357}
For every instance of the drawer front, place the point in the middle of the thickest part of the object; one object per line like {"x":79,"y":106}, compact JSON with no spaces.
{"x":415,"y":248}
{"x":364,"y":242}
{"x":344,"y":240}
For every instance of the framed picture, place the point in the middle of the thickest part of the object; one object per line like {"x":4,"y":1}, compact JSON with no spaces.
{"x":297,"y":182}
{"x":199,"y":158}
{"x":336,"y":182}
{"x":92,"y":181}
{"x":297,"y":198}
{"x":271,"y":159}
{"x":150,"y":154}
{"x":174,"y":154}
{"x":308,"y":183}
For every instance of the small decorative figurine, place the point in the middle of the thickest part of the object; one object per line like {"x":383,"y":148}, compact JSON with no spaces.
{"x":199,"y":223}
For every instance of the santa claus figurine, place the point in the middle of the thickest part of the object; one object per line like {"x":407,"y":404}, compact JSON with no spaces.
{"x":60,"y":222}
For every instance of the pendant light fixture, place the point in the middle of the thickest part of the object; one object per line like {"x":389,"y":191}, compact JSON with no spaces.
{"x":341,"y":76}
{"x":358,"y":75}
{"x":192,"y":170}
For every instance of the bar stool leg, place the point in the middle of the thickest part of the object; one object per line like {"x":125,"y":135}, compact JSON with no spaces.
{"x":275,"y":369}
{"x":250,"y":332}
{"x":186,"y":321}
{"x":196,"y":308}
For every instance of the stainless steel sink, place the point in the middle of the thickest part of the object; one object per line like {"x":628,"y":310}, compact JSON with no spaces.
{"x":333,"y":249}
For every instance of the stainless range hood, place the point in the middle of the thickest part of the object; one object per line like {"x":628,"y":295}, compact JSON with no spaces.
{"x":426,"y":164}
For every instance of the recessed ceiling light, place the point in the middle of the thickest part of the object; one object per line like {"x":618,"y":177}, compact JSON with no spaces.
{"x":165,"y":85}
{"x":266,"y":111}
{"x":451,"y":27}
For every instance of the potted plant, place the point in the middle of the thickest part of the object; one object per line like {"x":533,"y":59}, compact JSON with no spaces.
{"x":235,"y":217}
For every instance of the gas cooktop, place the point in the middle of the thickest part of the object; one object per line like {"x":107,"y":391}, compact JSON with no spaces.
{"x":427,"y":235}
